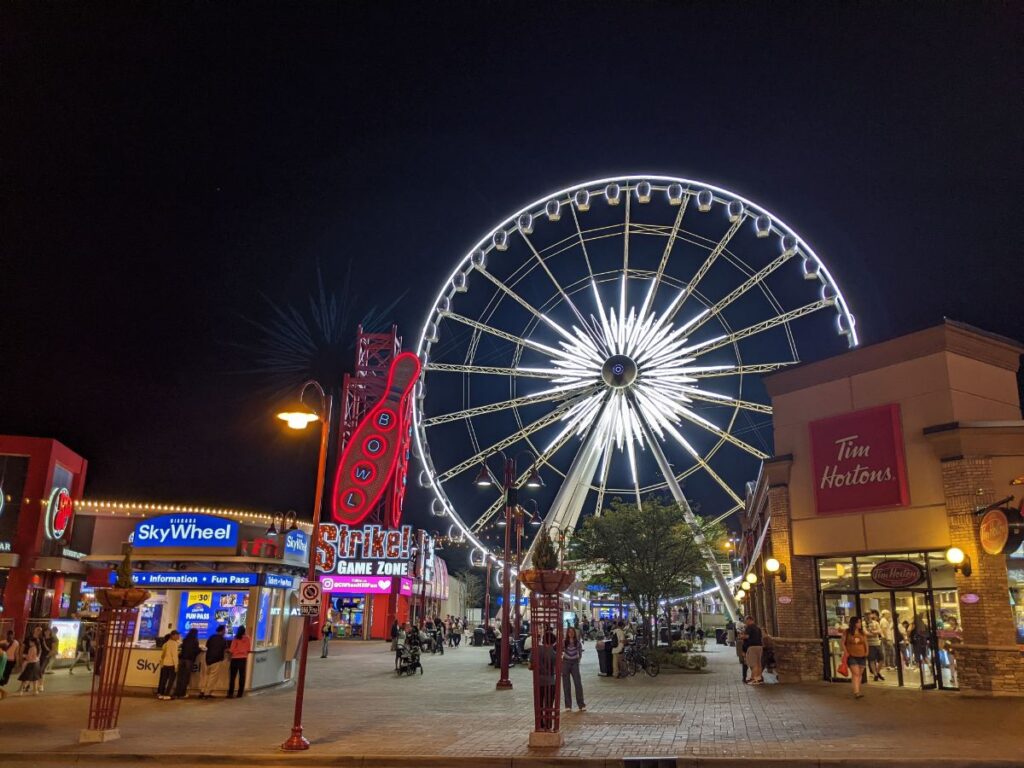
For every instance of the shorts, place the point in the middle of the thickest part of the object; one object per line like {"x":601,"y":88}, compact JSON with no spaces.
{"x":860,"y":661}
{"x":874,"y":653}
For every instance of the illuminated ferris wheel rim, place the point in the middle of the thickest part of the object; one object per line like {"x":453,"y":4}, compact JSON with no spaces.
{"x":690,"y":188}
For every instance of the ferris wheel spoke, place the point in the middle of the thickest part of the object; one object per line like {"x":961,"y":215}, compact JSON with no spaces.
{"x":718,"y":371}
{"x":704,"y":268}
{"x":656,"y":282}
{"x":583,"y":242}
{"x":729,"y":437}
{"x":712,"y":397}
{"x":559,"y":393}
{"x":554,"y":281}
{"x":751,"y":330}
{"x":534,"y":426}
{"x":603,"y":486}
{"x":756,"y":279}
{"x":703,"y":463}
{"x":511,"y":337}
{"x":527,"y":373}
{"x":721,"y":517}
{"x":526,"y":305}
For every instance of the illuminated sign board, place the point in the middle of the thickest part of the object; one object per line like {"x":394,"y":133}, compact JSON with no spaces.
{"x":377,"y":447}
{"x":859,"y":461}
{"x":192,"y":579}
{"x":185,"y":531}
{"x":296,"y":544}
{"x":363,"y":585}
{"x":60,"y":511}
{"x":368,"y":551}
{"x":278,"y":581}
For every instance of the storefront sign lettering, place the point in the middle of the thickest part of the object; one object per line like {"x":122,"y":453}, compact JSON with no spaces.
{"x":360,"y":585}
{"x":363,"y":551}
{"x":969,"y":598}
{"x":897,"y":574}
{"x":785,"y":599}
{"x":296,"y":543}
{"x":278,"y":581}
{"x":185,"y":531}
{"x":859,"y":461}
{"x":5,"y":546}
{"x":192,"y":579}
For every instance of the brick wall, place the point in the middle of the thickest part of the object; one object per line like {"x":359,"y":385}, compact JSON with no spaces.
{"x":988,"y":660}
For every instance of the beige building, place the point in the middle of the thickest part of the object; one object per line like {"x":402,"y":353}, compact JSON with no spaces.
{"x":886,"y":457}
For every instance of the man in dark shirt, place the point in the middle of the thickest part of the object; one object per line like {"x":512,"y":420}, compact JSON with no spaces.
{"x":216,"y":646}
{"x":752,"y":647}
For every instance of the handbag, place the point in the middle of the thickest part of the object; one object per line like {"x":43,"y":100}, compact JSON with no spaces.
{"x":844,"y":668}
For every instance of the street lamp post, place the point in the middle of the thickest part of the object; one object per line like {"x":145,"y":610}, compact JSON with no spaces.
{"x":511,"y":491}
{"x":534,"y":520}
{"x":300,"y":419}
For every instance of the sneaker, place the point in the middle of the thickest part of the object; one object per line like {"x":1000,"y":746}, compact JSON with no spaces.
{"x":858,"y":695}
{"x":880,"y":678}
{"x":583,"y":709}
{"x":756,"y":682}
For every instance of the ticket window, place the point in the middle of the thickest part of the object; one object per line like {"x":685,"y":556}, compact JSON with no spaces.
{"x":270,"y":617}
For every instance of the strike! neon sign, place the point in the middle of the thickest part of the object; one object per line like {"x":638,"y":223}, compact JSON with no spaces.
{"x":378,"y":448}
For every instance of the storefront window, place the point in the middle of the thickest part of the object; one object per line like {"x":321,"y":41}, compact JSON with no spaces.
{"x":269,"y":617}
{"x":1015,"y":574}
{"x":836,"y":574}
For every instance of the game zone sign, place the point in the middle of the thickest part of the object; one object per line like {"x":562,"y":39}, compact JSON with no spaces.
{"x":859,"y":462}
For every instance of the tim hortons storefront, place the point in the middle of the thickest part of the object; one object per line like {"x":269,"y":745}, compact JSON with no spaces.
{"x":889,"y":492}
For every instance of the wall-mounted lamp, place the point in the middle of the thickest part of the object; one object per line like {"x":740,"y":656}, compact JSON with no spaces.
{"x":775,"y":568}
{"x":752,"y":578}
{"x":959,"y":559}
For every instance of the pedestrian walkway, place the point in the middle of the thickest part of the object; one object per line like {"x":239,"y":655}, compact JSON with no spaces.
{"x":356,"y":706}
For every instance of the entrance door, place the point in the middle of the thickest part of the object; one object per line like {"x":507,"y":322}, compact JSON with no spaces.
{"x":917,"y":629}
{"x":882,"y":651}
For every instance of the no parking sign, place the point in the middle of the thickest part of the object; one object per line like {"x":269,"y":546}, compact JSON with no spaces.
{"x":310,"y":596}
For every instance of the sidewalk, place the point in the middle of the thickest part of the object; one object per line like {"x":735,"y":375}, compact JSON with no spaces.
{"x":358,"y":712}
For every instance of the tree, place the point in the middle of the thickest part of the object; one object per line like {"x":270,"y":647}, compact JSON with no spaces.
{"x":648,"y":552}
{"x":472,"y":590}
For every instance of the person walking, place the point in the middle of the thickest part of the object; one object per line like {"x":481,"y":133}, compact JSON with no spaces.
{"x":618,"y":646}
{"x":753,"y":649}
{"x":216,"y":648}
{"x":741,"y":655}
{"x":240,"y":648}
{"x":186,"y":663}
{"x":47,"y":647}
{"x":855,"y":643}
{"x":30,"y":673}
{"x":13,"y":650}
{"x":888,"y":644}
{"x":4,"y":663}
{"x":875,"y":657}
{"x":168,"y":665}
{"x":84,"y":652}
{"x":325,"y":639}
{"x":572,"y":655}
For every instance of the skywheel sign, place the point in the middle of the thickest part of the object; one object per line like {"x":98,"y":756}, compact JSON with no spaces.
{"x":185,"y":531}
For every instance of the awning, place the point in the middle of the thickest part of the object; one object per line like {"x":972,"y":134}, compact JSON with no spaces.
{"x":60,"y":565}
{"x":756,"y":551}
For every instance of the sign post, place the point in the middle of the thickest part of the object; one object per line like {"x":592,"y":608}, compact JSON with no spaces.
{"x":310,"y":598}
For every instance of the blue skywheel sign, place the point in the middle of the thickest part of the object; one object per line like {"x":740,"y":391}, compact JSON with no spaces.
{"x":185,"y":531}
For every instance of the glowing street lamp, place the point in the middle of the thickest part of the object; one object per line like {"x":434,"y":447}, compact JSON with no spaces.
{"x":300,"y":418}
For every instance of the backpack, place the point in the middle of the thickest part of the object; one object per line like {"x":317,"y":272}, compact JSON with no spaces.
{"x":615,"y":639}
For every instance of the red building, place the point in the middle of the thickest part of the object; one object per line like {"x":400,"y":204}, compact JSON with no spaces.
{"x":40,"y":543}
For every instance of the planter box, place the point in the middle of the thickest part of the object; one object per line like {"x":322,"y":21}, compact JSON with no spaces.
{"x":547,"y":582}
{"x":114,"y":598}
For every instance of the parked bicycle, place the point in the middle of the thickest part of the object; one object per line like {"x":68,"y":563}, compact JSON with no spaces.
{"x":637,"y":657}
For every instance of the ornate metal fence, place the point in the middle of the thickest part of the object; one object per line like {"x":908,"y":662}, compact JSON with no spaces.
{"x":546,"y":636}
{"x":114,"y":639}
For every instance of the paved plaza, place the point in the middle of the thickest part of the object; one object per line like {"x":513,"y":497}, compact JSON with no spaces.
{"x":356,"y":708}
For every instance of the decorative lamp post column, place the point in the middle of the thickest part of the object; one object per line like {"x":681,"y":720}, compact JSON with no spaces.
{"x":300,"y":419}
{"x":114,"y":640}
{"x":510,"y":487}
{"x":546,"y":582}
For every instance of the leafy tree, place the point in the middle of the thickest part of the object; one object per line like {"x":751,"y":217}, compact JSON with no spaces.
{"x":647,"y":552}
{"x":472,"y":590}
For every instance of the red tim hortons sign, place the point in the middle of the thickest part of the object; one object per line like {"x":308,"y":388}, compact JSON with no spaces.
{"x":859,"y":462}
{"x":897,"y":574}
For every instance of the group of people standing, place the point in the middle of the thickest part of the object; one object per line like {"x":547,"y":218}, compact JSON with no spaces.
{"x":33,"y":656}
{"x":178,"y":658}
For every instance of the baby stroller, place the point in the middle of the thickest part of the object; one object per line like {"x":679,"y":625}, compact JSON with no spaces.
{"x":408,"y":659}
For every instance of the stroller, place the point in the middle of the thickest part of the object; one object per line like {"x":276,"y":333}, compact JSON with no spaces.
{"x":408,"y":659}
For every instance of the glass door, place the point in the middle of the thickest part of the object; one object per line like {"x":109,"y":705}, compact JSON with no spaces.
{"x":917,"y":646}
{"x":876,"y":610}
{"x":836,"y":609}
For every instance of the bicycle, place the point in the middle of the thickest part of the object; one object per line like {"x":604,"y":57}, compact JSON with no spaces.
{"x":636,"y":657}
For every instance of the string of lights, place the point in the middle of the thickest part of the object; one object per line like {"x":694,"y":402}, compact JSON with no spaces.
{"x":143,"y":509}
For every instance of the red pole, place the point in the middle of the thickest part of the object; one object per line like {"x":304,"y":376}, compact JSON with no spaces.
{"x":519,"y":563}
{"x":504,"y":683}
{"x":487,"y":596}
{"x":297,"y":741}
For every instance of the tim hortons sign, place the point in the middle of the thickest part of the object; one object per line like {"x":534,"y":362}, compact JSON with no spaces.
{"x":859,"y":462}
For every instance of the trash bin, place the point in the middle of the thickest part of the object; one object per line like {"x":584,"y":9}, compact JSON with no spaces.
{"x":720,"y":636}
{"x":604,"y":658}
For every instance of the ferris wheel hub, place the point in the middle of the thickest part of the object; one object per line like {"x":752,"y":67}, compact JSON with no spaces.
{"x":619,"y":371}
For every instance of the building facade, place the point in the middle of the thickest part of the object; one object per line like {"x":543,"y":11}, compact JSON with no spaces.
{"x":888,"y":460}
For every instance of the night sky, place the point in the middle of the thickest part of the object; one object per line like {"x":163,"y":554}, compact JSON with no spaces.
{"x":172,"y":172}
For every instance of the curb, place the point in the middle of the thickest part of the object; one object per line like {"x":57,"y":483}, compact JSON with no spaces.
{"x":89,"y":759}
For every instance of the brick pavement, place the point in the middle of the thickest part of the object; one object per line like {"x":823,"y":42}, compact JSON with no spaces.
{"x":356,"y":706}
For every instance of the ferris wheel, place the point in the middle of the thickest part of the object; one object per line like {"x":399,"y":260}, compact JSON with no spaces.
{"x":618,"y":330}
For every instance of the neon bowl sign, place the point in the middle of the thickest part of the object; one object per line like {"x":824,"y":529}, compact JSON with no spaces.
{"x":59,"y":514}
